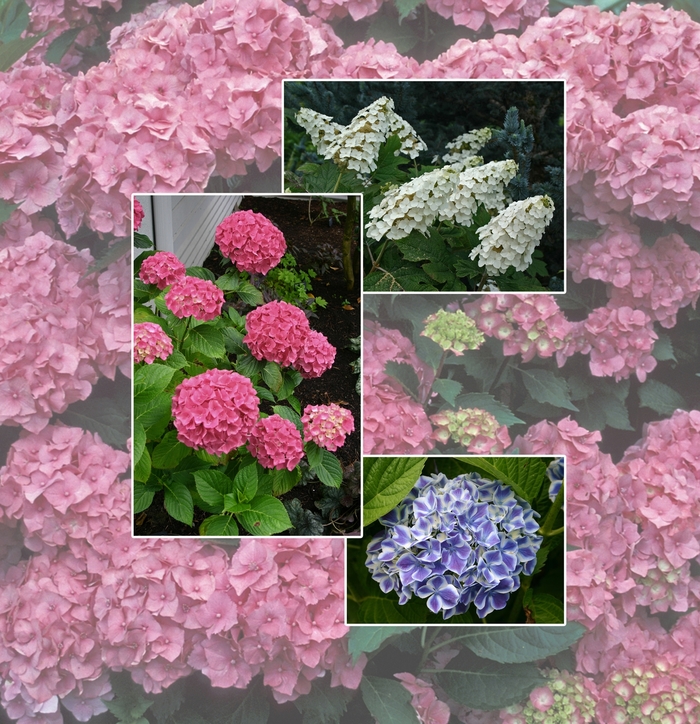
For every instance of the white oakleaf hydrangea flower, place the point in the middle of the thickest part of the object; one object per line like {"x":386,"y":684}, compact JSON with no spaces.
{"x":480,"y":185}
{"x":356,"y":146}
{"x":467,"y":145}
{"x":321,"y":128}
{"x":510,"y":238}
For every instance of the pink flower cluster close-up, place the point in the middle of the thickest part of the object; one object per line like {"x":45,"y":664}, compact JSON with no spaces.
{"x":162,"y":269}
{"x":151,"y":342}
{"x":194,"y":297}
{"x":327,"y":425}
{"x":280,"y":332}
{"x":215,"y":411}
{"x":276,"y":443}
{"x":251,"y":241}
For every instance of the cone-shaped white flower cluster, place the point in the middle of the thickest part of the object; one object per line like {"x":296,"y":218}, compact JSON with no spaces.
{"x":356,"y":146}
{"x":320,"y":127}
{"x":451,"y":192}
{"x":510,"y":238}
{"x":467,"y":145}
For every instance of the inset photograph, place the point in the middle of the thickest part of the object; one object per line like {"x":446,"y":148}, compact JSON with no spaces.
{"x":463,"y":180}
{"x":459,"y":540}
{"x":246,"y":366}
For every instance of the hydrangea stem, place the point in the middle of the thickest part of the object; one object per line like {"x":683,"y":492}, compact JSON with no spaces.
{"x":546,"y":527}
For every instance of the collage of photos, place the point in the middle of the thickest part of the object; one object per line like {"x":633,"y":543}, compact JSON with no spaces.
{"x":349,"y":362}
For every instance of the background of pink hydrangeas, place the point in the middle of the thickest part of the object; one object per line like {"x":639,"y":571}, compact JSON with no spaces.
{"x":191,"y":93}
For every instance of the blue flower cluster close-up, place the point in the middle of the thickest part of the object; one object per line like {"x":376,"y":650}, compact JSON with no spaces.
{"x":555,"y":473}
{"x":456,"y":542}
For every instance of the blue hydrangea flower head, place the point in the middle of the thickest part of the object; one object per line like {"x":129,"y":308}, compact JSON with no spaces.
{"x":456,"y":542}
{"x":555,"y":473}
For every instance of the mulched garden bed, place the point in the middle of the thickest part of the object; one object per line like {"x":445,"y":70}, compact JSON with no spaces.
{"x":315,"y":245}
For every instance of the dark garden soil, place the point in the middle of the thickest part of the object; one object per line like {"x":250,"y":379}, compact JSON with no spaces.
{"x":315,"y":246}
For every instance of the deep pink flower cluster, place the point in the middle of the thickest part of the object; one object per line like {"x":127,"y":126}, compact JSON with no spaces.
{"x":162,"y":269}
{"x":138,"y":214}
{"x":31,"y":144}
{"x":194,"y":297}
{"x":150,"y":341}
{"x":251,"y":241}
{"x":276,"y":443}
{"x":200,"y":87}
{"x":49,"y":347}
{"x":92,"y":598}
{"x":280,"y":332}
{"x":327,"y":425}
{"x":316,"y":356}
{"x":393,"y":422}
{"x":215,"y":411}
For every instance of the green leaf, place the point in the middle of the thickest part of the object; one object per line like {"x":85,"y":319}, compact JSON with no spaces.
{"x":369,"y":638}
{"x":246,"y":483}
{"x":388,"y":162}
{"x":405,"y":374}
{"x":229,"y":283}
{"x":55,"y":52}
{"x":6,"y":209}
{"x":206,"y":340}
{"x":323,"y":704}
{"x":178,"y":501}
{"x":176,"y":360}
{"x":406,"y":7}
{"x":201,"y":273}
{"x":522,"y":644}
{"x":387,"y":481}
{"x":447,"y":389}
{"x":254,"y":709}
{"x":663,"y":349}
{"x":154,"y":413}
{"x":440,"y":272}
{"x":13,"y":50}
{"x":388,"y":702}
{"x":487,"y":685}
{"x":142,"y":466}
{"x":545,"y":608}
{"x":328,"y":471}
{"x":409,"y":279}
{"x":304,"y":522}
{"x":152,"y":379}
{"x":288,"y":414}
{"x":141,"y":241}
{"x":250,"y":294}
{"x":266,"y":516}
{"x":169,"y":452}
{"x":660,"y":397}
{"x":248,"y":366}
{"x":143,"y":496}
{"x":489,"y":403}
{"x":212,"y":485}
{"x":577,"y":230}
{"x":272,"y":376}
{"x":14,"y":19}
{"x":545,"y":386}
{"x":107,"y":417}
{"x":390,"y":31}
{"x":284,"y":480}
{"x":139,"y":441}
{"x":218,"y":525}
{"x":417,"y":247}
{"x":375,"y":609}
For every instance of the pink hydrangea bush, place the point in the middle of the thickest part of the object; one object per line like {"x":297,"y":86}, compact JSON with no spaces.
{"x":151,"y":342}
{"x":316,"y":356}
{"x":276,"y":332}
{"x":251,"y":241}
{"x":276,"y":443}
{"x":194,"y":297}
{"x":215,"y":411}
{"x":162,"y":269}
{"x":327,"y":425}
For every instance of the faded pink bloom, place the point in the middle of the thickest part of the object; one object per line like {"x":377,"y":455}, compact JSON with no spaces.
{"x":162,"y":269}
{"x":327,"y":425}
{"x":150,"y":341}
{"x":276,"y":443}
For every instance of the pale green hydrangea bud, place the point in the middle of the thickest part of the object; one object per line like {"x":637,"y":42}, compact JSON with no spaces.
{"x":453,"y":331}
{"x":476,"y":430}
{"x":510,"y":238}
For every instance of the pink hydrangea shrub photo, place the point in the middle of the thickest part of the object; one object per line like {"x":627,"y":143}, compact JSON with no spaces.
{"x":221,"y":446}
{"x":102,"y":101}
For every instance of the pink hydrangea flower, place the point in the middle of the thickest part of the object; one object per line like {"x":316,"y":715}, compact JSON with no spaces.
{"x":276,"y":443}
{"x":316,"y":356}
{"x":138,"y":214}
{"x":251,"y":241}
{"x":150,"y":341}
{"x":194,"y":297}
{"x":327,"y":425}
{"x":216,"y":411}
{"x":276,"y":332}
{"x":429,"y":708}
{"x":161,"y":269}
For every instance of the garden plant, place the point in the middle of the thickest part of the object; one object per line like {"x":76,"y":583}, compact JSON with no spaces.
{"x":216,"y":422}
{"x":472,"y":540}
{"x":470,"y":213}
{"x":96,"y":625}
